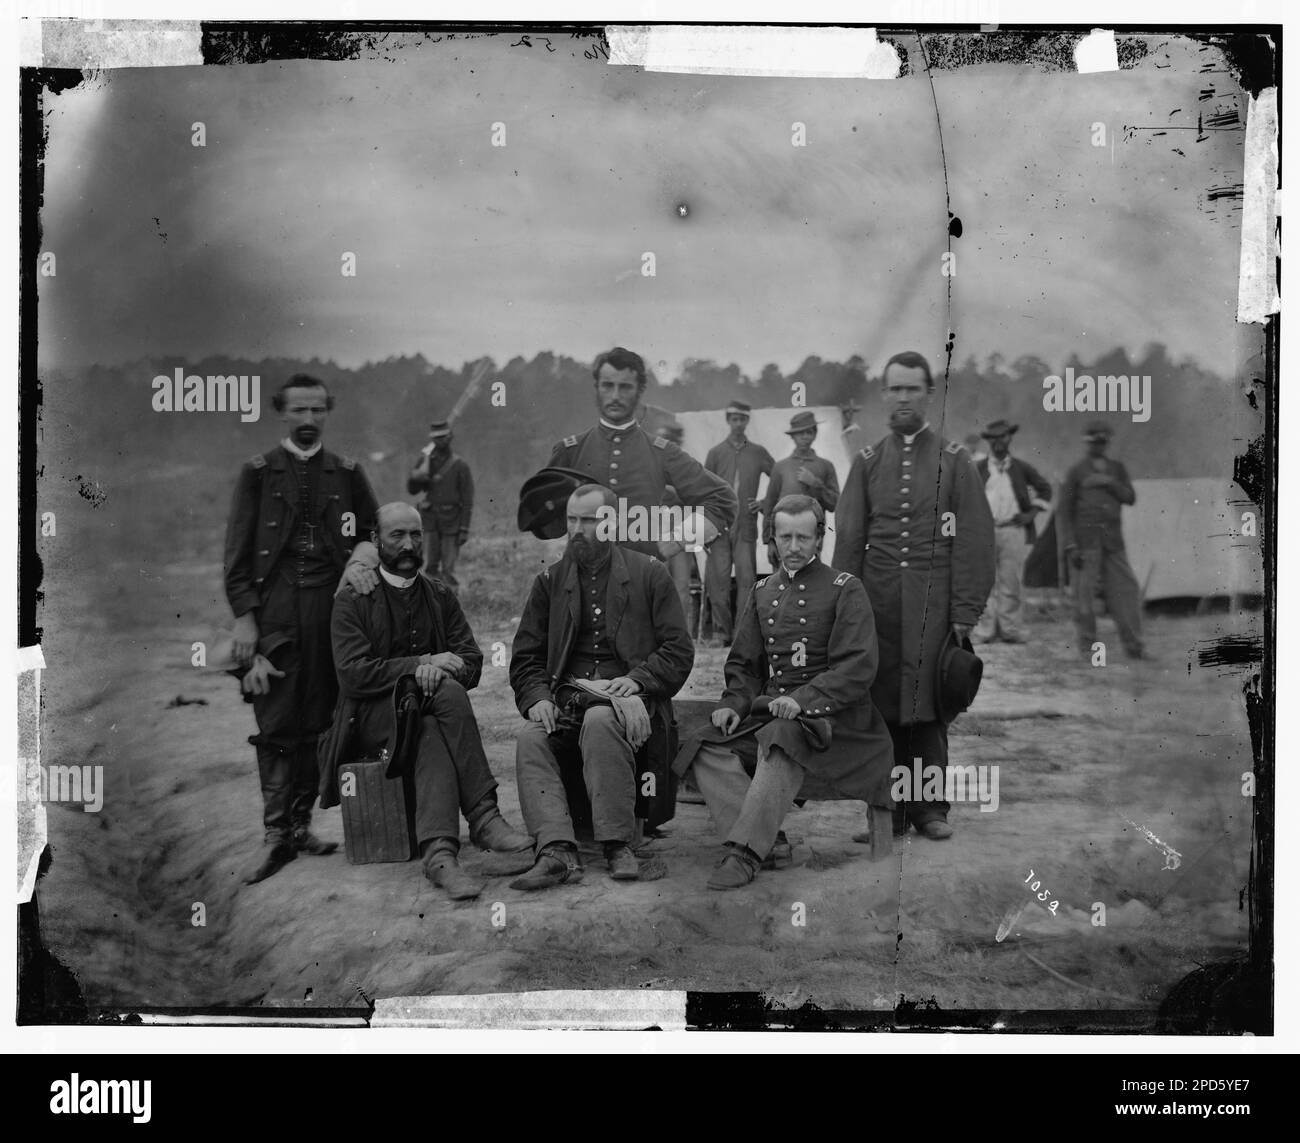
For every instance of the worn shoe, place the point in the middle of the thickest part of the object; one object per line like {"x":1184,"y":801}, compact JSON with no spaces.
{"x":782,"y":853}
{"x":304,"y":841}
{"x":623,"y":865}
{"x":935,"y":830}
{"x":555,"y":865}
{"x":275,"y":856}
{"x":499,"y":836}
{"x":735,"y":870}
{"x":443,"y":869}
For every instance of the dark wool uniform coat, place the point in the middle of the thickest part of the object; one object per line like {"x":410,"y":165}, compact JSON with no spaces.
{"x":638,"y":467}
{"x":890,"y":528}
{"x":812,"y":638}
{"x":362,"y":629}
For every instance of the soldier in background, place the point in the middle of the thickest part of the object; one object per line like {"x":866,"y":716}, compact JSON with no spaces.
{"x":296,"y":515}
{"x":1092,"y":498}
{"x":803,"y":472}
{"x":446,"y":503}
{"x":741,"y":463}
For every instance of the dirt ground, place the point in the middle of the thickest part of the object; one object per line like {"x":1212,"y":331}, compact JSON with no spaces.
{"x":1098,"y":768}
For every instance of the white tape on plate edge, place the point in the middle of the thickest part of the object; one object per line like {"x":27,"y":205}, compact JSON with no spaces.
{"x":1096,"y":52}
{"x":29,"y":806}
{"x":816,"y":53}
{"x":630,"y":1010}
{"x":99,"y":44}
{"x":1257,"y":277}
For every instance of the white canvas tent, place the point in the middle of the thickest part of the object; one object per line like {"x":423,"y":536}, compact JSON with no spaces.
{"x":705,"y":428}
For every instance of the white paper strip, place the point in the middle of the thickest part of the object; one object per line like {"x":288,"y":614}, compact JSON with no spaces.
{"x":823,"y":53}
{"x":617,"y":1010}
{"x":1097,"y":52}
{"x":1257,"y":277}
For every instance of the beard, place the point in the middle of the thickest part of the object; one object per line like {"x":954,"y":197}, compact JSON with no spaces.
{"x":304,"y":436}
{"x":589,"y":554}
{"x":905,"y":420}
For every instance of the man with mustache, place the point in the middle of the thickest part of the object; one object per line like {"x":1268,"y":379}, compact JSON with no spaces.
{"x":412,"y":625}
{"x":618,"y":454}
{"x":914,"y":524}
{"x":805,"y":645}
{"x":601,"y":649}
{"x":296,"y":515}
{"x":446,"y":503}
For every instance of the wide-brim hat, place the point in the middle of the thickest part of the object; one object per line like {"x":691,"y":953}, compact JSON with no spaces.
{"x":1098,"y":431}
{"x":544,"y":498}
{"x":957,"y":678}
{"x":1000,"y":428}
{"x":801,"y":422}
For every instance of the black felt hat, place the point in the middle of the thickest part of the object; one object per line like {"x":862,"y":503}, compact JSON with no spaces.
{"x":544,"y":498}
{"x":957,"y":678}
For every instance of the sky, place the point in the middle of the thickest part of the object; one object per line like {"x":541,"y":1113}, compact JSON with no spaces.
{"x":465,"y":249}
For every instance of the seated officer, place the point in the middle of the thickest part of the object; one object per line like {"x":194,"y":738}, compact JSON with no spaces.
{"x":806,"y":647}
{"x":411,"y":625}
{"x":609,"y":619}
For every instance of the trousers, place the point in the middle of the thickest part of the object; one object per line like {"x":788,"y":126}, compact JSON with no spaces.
{"x":1123,"y":597}
{"x":1002,"y":617}
{"x":441,"y":550}
{"x":452,"y":776}
{"x":915,"y":747}
{"x":289,"y":780}
{"x":746,"y":812}
{"x":723,"y":553}
{"x":608,"y":771}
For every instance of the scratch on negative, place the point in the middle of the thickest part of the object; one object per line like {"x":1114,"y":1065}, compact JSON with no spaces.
{"x":1173,"y":859}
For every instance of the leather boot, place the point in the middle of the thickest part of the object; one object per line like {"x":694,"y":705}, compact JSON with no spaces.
{"x":276,"y":854}
{"x":623,"y":865}
{"x":556,"y":865}
{"x":442,"y":867}
{"x":738,"y":868}
{"x":488,"y":829}
{"x":304,"y":841}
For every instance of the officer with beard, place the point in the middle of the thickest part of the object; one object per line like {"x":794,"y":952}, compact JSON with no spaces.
{"x":600,"y":651}
{"x":914,"y":524}
{"x":412,"y":625}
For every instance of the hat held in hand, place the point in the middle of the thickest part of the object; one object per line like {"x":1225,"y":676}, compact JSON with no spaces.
{"x":957,"y":678}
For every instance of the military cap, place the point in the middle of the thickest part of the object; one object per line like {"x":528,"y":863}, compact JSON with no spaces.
{"x":957,"y":678}
{"x":738,"y":407}
{"x":544,"y":498}
{"x":440,"y":429}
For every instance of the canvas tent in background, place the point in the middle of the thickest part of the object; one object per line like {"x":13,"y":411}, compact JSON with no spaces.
{"x":704,"y":428}
{"x":1184,"y":540}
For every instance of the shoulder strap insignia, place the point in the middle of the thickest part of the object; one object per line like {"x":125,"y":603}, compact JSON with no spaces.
{"x":867,"y":453}
{"x":569,"y":442}
{"x":259,"y":461}
{"x":759,"y":583}
{"x":842,"y":579}
{"x":955,"y":447}
{"x":661,"y":442}
{"x":348,"y":462}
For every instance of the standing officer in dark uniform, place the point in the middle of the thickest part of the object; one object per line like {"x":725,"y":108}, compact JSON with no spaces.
{"x":446,"y":503}
{"x":914,"y":523}
{"x":297,"y":512}
{"x":741,"y":463}
{"x":803,"y":472}
{"x":637,"y":467}
{"x":1092,"y":498}
{"x":806,"y":643}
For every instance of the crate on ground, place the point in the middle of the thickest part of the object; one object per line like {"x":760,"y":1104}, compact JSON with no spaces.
{"x":378,"y":813}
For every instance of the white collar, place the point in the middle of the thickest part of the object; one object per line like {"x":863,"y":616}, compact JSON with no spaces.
{"x":618,"y":428}
{"x":909,"y":440}
{"x":294,"y":450}
{"x":396,"y":580}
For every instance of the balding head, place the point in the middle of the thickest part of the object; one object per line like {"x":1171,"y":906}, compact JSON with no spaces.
{"x":399,"y":538}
